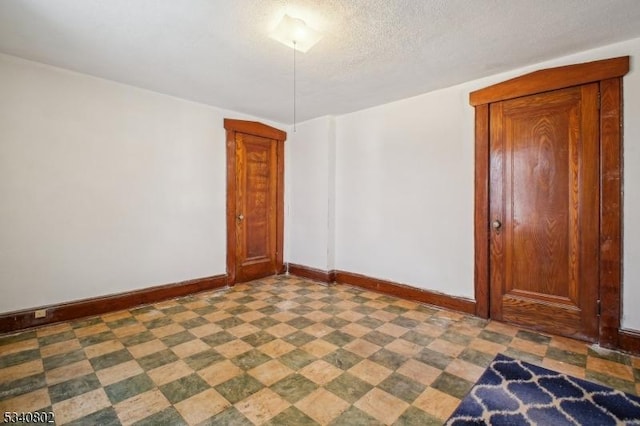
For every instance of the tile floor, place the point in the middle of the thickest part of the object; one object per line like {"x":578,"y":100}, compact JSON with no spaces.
{"x":277,"y":351}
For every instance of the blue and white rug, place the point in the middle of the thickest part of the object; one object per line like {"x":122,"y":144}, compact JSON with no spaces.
{"x":512,"y":392}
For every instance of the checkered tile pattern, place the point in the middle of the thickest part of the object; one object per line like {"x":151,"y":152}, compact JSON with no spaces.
{"x":277,"y":351}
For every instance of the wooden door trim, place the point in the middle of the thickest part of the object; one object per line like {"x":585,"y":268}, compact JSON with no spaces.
{"x":262,"y":130}
{"x":608,"y":73}
{"x":551,"y":79}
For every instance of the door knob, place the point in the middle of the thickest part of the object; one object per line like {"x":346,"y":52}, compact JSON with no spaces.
{"x":240,"y":216}
{"x":496,"y":224}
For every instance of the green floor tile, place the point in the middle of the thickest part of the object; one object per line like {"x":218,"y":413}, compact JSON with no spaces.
{"x":218,"y":338}
{"x":106,"y":416}
{"x":494,"y":337}
{"x":157,"y":359}
{"x":402,"y":387}
{"x":259,"y":338}
{"x":348,"y":387}
{"x":415,"y":417}
{"x":453,"y":385}
{"x":291,"y":416}
{"x":342,"y":358}
{"x":19,"y":358}
{"x":294,"y":387}
{"x":389,"y":359}
{"x":299,"y":338}
{"x":56,"y":338}
{"x":110,"y":359}
{"x":405,"y":322}
{"x":74,"y":387}
{"x":61,"y":360}
{"x":250,"y":359}
{"x":434,"y":358}
{"x":169,"y":417}
{"x":355,"y":417}
{"x":417,"y":338}
{"x":378,"y":338}
{"x":478,"y":358}
{"x":239,"y":388}
{"x":567,"y":356}
{"x":203,"y":359}
{"x":296,"y":359}
{"x":129,"y":388}
{"x":533,"y":337}
{"x":300,"y":322}
{"x":229,"y":417}
{"x":21,"y":386}
{"x":183,"y":388}
{"x":96,"y":338}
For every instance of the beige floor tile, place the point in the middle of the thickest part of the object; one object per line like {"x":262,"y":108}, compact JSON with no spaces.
{"x":436,"y":403}
{"x":233,"y":348}
{"x":467,"y":330}
{"x":382,"y":406}
{"x":189,"y":348}
{"x":167,"y":330}
{"x":257,"y":304}
{"x":80,"y":406}
{"x":166,"y":304}
{"x":115,"y":316}
{"x":318,"y":329}
{"x":569,"y":345}
{"x":635,"y":362}
{"x":150,"y":315}
{"x":270,"y":372}
{"x":13,"y":348}
{"x":146,"y":348}
{"x":276,"y":348}
{"x":53,"y":329}
{"x":140,"y":406}
{"x":68,"y":372}
{"x":356,"y":330}
{"x":103,"y":348}
{"x":383,"y":315}
{"x":610,"y":368}
{"x":195,"y":305}
{"x":502,"y":328}
{"x":184,"y":316}
{"x":392,"y":330}
{"x":527,"y":346}
{"x":119,"y":372}
{"x":465,"y":370}
{"x":430,"y":330}
{"x":250,"y":316}
{"x":370,"y":371}
{"x":404,"y":347}
{"x":320,"y":372}
{"x":129,"y":330}
{"x":262,"y":406}
{"x":202,"y":406}
{"x":416,"y":315}
{"x":322,"y":406}
{"x":446,"y":347}
{"x":91,"y":330}
{"x":219,"y":372}
{"x":350,"y":316}
{"x":205,"y":330}
{"x":281,"y":330}
{"x":32,"y":401}
{"x":419,"y":371}
{"x":487,"y":347}
{"x":563,"y":367}
{"x":243,"y":330}
{"x":362,"y":347}
{"x":60,"y":348}
{"x":169,"y":372}
{"x":317,"y":316}
{"x":319,"y":348}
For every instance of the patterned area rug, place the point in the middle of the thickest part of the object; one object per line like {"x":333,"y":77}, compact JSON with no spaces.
{"x":512,"y":392}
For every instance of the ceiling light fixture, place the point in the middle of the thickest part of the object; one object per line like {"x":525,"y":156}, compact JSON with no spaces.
{"x":294,"y":33}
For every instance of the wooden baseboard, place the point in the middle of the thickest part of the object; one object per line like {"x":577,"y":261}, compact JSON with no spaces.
{"x":20,"y":320}
{"x":629,"y":340}
{"x":327,"y":277}
{"x":391,"y":288}
{"x":403,"y":291}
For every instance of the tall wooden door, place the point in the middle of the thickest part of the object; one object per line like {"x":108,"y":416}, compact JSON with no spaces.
{"x":254,"y":200}
{"x":544,"y":210}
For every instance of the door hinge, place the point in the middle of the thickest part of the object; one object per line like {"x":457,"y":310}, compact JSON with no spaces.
{"x":599,"y":100}
{"x":599,"y":307}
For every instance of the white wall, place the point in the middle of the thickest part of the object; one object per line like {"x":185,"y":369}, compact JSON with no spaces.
{"x":311,"y":158}
{"x":104,"y":188}
{"x":404,"y":186}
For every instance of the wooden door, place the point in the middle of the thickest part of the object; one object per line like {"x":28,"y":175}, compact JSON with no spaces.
{"x":544,"y":211}
{"x":254,"y":200}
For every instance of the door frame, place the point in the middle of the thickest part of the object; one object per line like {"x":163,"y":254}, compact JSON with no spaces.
{"x":608,"y":74}
{"x":255,"y":128}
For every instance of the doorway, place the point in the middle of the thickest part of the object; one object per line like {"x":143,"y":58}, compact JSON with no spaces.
{"x":255,"y":200}
{"x":548,"y":200}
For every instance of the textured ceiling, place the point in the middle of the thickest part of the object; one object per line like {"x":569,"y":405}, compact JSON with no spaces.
{"x":374,"y":51}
